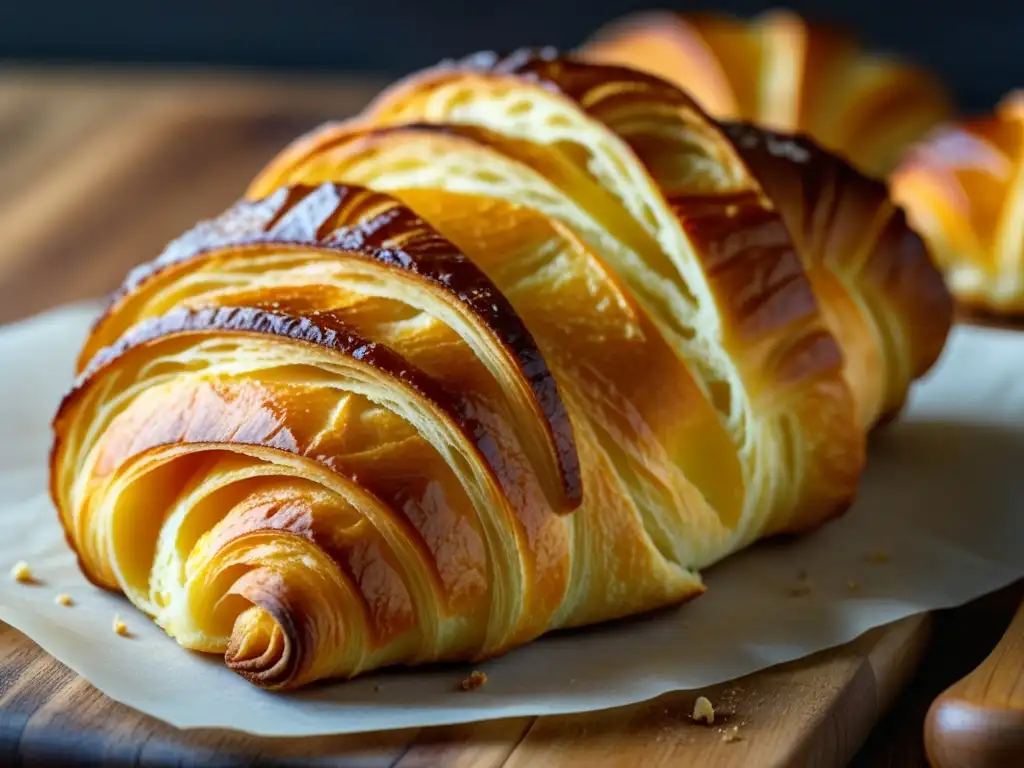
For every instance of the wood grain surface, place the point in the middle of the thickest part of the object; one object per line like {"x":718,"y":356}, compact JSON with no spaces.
{"x":97,"y":171}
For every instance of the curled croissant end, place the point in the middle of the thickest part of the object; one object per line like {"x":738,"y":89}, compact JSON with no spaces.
{"x":277,"y":483}
{"x":782,"y":72}
{"x":963,"y":189}
{"x":883,"y":296}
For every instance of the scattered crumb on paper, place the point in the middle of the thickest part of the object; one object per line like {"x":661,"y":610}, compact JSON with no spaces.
{"x":474,"y":681}
{"x":21,"y":573}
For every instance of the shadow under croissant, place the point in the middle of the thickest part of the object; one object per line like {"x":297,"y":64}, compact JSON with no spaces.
{"x":748,"y":605}
{"x":988,"y":318}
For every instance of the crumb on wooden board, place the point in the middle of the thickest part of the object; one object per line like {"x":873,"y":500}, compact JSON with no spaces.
{"x":703,"y":711}
{"x":731,"y":734}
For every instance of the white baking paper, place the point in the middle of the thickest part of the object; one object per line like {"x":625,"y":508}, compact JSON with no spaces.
{"x":943,"y":499}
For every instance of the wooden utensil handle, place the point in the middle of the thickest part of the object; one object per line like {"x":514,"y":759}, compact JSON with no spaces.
{"x":978,"y":721}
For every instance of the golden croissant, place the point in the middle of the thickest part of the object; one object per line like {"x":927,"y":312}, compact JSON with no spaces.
{"x":523,"y":347}
{"x":963,"y":188}
{"x":782,"y":72}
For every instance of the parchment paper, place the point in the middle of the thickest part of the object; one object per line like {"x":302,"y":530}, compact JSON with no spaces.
{"x":943,"y":498}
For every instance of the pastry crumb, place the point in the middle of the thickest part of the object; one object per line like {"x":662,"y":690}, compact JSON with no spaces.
{"x":119,"y":627}
{"x":22,"y":574}
{"x":800,"y":590}
{"x":474,"y":681}
{"x":732,"y":735}
{"x":878,"y":556}
{"x":703,"y":711}
{"x":64,"y":599}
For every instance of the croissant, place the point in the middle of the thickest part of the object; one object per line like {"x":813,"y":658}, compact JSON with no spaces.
{"x":784,"y":73}
{"x":963,"y":188}
{"x":524,"y":346}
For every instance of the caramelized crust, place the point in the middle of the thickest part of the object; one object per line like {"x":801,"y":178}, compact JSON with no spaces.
{"x":963,"y":188}
{"x":783,"y":73}
{"x":744,"y":246}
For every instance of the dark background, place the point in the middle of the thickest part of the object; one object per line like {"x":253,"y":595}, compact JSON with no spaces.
{"x":977,"y":46}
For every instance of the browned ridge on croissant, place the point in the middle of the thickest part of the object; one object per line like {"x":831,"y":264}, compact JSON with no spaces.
{"x":319,"y":329}
{"x":522,"y":347}
{"x":573,"y":78}
{"x":302,"y":215}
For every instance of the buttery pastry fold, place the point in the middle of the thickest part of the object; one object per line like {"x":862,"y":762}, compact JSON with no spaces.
{"x":523,"y":347}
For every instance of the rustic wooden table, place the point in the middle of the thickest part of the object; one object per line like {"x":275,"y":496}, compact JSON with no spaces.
{"x":97,"y":171}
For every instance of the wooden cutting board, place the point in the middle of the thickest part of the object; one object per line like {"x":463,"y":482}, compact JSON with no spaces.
{"x":814,"y":712}
{"x":97,"y":171}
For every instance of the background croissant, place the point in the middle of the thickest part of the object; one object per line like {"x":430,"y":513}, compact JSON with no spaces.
{"x":784,"y":73}
{"x":963,"y":187}
{"x":523,"y":347}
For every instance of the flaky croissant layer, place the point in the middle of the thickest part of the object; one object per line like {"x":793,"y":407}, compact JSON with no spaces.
{"x":523,"y":347}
